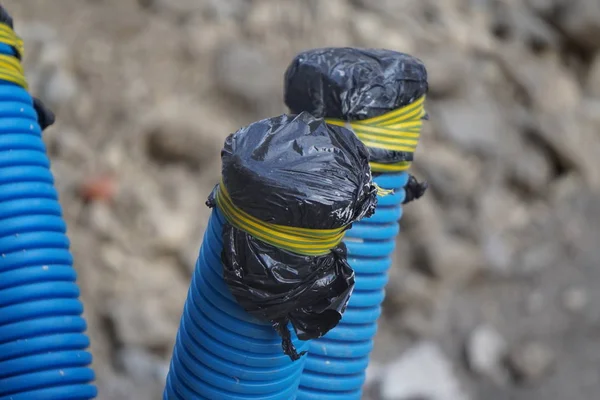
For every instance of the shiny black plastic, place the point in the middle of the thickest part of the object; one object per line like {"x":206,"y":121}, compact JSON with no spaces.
{"x":355,"y":84}
{"x":294,"y":171}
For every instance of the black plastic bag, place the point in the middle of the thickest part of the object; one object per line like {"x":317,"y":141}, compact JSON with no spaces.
{"x":294,"y":171}
{"x":356,"y":84}
{"x":5,"y":17}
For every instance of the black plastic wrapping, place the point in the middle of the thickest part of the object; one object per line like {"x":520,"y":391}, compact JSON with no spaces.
{"x":5,"y":17}
{"x":295,"y":171}
{"x":355,"y":84}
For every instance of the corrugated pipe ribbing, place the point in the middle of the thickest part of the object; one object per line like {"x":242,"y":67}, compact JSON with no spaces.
{"x":42,"y":341}
{"x":221,"y":351}
{"x":337,"y":362}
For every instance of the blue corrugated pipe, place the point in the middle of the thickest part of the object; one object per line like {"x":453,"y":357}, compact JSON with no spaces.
{"x":221,"y":352}
{"x":336,"y":363}
{"x":42,"y":339}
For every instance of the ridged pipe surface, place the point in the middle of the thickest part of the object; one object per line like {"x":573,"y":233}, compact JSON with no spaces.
{"x":337,"y":362}
{"x":42,"y":341}
{"x":221,"y":351}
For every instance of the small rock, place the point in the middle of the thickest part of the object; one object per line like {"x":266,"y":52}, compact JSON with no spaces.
{"x":575,"y":299}
{"x":173,"y":229}
{"x":417,"y":322}
{"x":422,"y":372}
{"x":501,"y":211}
{"x":369,"y":29}
{"x":218,"y":9}
{"x":102,"y":220}
{"x":446,"y":71}
{"x":452,"y":174}
{"x":146,"y":314}
{"x":454,"y":260}
{"x":498,"y":253}
{"x":592,"y":85}
{"x":580,"y":22}
{"x":530,"y":168}
{"x":535,"y":258}
{"x":113,"y":256}
{"x":485,"y":351}
{"x":176,"y":6}
{"x":543,"y":7}
{"x":226,"y":9}
{"x":244,"y":72}
{"x":591,"y":109}
{"x":535,"y":302}
{"x":474,"y":126}
{"x":409,"y":288}
{"x":118,"y":386}
{"x":171,"y":141}
{"x":373,"y":375}
{"x":58,"y":88}
{"x":531,"y":361}
{"x":551,"y":86}
{"x":525,"y":26}
{"x":141,"y":365}
{"x":46,"y":71}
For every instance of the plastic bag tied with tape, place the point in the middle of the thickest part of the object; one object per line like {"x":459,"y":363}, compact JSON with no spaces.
{"x":291,"y":186}
{"x":353,"y":84}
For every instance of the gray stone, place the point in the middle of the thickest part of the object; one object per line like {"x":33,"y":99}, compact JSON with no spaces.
{"x":425,"y":372}
{"x":576,"y":150}
{"x":180,"y":7}
{"x":141,"y":365}
{"x":536,"y":258}
{"x":523,"y":24}
{"x":59,"y":87}
{"x":531,"y":361}
{"x":451,"y":174}
{"x":244,"y":72}
{"x":474,"y":126}
{"x":446,"y":71}
{"x":46,"y":65}
{"x":373,"y":377}
{"x":454,"y":260}
{"x":485,"y":351}
{"x":530,"y":168}
{"x":543,"y":7}
{"x":498,"y":253}
{"x":545,"y":81}
{"x":591,"y":110}
{"x":575,"y":299}
{"x":580,"y":22}
{"x":171,"y":141}
{"x":592,"y":84}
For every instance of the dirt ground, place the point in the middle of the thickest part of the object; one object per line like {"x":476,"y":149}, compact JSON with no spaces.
{"x":492,"y":294}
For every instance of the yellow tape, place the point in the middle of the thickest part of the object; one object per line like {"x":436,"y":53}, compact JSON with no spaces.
{"x":11,"y":69}
{"x":381,"y":192}
{"x":397,"y":130}
{"x":309,"y":242}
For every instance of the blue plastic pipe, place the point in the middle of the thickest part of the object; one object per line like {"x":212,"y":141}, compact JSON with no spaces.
{"x":42,"y":339}
{"x":337,"y":362}
{"x":221,"y":351}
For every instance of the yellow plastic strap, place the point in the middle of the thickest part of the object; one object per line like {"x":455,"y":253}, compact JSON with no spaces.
{"x":397,"y":130}
{"x":309,"y":242}
{"x":381,"y":192}
{"x":11,"y":69}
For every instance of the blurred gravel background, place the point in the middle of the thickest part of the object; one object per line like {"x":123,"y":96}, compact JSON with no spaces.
{"x":492,"y":295}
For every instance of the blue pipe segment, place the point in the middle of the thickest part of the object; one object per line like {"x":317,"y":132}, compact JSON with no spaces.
{"x":221,"y":351}
{"x":42,"y":333}
{"x":337,"y":362}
